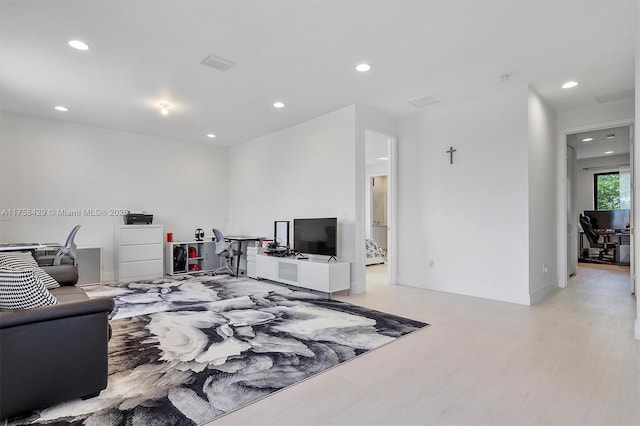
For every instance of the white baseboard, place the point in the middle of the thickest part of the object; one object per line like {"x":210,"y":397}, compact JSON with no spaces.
{"x":402,"y":281}
{"x":520,"y":298}
{"x":543,"y":292}
{"x":108,"y":276}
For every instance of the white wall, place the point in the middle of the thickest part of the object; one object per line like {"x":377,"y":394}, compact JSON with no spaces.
{"x":543,"y":230}
{"x":50,"y":164}
{"x":307,"y":170}
{"x":470,"y":217}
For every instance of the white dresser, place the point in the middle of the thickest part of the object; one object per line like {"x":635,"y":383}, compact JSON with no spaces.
{"x":138,"y":252}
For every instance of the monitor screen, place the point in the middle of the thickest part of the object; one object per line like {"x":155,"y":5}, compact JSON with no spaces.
{"x":608,"y":219}
{"x":316,"y":236}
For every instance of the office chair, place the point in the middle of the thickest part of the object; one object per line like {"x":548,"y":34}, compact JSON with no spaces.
{"x":65,"y":254}
{"x":598,"y":241}
{"x":226,"y":253}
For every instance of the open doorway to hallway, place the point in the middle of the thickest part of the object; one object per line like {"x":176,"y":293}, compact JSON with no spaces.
{"x":599,"y":198}
{"x":378,"y":208}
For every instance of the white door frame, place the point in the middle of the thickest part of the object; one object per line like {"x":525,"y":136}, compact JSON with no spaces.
{"x":392,"y":199}
{"x":562,"y":189}
{"x":572,"y":246}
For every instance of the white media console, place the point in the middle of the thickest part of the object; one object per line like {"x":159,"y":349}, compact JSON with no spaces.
{"x":314,"y":274}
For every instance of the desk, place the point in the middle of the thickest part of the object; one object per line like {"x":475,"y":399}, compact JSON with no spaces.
{"x":623,"y":239}
{"x":20,"y":246}
{"x":89,"y":260}
{"x":241,"y":239}
{"x":32,"y":247}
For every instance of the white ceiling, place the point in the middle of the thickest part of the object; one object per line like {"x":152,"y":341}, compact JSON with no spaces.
{"x":618,"y":145}
{"x":300,"y":52}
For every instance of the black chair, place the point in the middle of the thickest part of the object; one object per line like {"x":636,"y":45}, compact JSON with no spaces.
{"x":598,"y":241}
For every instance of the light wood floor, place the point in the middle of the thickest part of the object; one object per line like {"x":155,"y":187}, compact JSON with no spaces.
{"x":570,"y":360}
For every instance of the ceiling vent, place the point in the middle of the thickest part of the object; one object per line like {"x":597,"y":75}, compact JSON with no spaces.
{"x":217,"y":62}
{"x":617,"y":96}
{"x":426,"y":101}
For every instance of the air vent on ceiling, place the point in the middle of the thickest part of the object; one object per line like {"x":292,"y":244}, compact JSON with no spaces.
{"x":617,"y":96}
{"x":425,"y":101}
{"x":217,"y":62}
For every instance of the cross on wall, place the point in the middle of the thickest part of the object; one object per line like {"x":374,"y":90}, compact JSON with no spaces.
{"x":450,"y":152}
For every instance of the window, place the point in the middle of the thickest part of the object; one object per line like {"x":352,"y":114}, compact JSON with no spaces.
{"x":606,"y":189}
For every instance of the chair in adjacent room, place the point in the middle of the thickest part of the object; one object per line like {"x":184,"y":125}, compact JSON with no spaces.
{"x":65,"y":254}
{"x":598,"y":241}
{"x":226,"y":252}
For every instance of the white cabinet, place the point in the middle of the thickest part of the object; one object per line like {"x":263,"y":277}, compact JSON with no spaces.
{"x":266,"y":267}
{"x":252,"y":252}
{"x":198,"y":256}
{"x":316,"y":275}
{"x":138,"y":252}
{"x":327,"y":277}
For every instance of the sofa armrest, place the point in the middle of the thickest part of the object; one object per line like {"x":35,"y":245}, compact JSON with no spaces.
{"x":52,"y":312}
{"x":52,"y":354}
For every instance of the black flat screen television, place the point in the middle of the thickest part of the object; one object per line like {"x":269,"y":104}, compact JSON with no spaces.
{"x":609,"y":219}
{"x":316,"y":236}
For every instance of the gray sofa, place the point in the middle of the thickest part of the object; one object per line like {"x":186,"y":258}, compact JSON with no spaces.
{"x":54,"y":353}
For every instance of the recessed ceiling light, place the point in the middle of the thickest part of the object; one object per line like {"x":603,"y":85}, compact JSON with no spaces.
{"x":363,"y":67}
{"x":164,"y":108}
{"x":608,"y":152}
{"x":611,"y":136}
{"x":383,"y":158}
{"x":278,"y":104}
{"x":587,"y":139}
{"x":211,"y":135}
{"x":78,"y":44}
{"x":570,"y":84}
{"x":60,"y":108}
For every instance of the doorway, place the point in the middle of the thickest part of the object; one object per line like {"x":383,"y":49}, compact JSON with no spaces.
{"x":379,"y":202}
{"x":597,"y":185}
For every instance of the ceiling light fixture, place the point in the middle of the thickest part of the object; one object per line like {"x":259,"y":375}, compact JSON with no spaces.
{"x":78,"y":44}
{"x":363,"y":67}
{"x":60,"y":108}
{"x":587,"y":139}
{"x":608,"y":152}
{"x":278,"y":104}
{"x":570,"y":84}
{"x":211,"y":135}
{"x":164,"y":108}
{"x":383,"y":158}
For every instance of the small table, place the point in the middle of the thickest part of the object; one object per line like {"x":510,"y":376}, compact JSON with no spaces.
{"x":241,"y":239}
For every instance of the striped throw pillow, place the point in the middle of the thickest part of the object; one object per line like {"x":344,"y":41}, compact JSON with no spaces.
{"x":22,"y":289}
{"x":24,"y":260}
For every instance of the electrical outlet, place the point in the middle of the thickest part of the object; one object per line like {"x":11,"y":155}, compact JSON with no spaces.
{"x":544,"y":268}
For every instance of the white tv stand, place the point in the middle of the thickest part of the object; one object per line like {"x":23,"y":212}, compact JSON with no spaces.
{"x":314,"y":274}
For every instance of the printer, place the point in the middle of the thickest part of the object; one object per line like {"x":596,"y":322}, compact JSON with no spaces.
{"x":138,"y":219}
